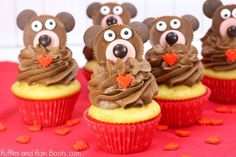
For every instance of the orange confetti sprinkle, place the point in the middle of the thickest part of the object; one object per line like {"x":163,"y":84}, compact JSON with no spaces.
{"x":80,"y":146}
{"x":124,"y":80}
{"x":212,"y":140}
{"x":72,"y":122}
{"x":23,"y":139}
{"x":35,"y":128}
{"x":62,"y":131}
{"x":171,"y":146}
{"x":2,"y":127}
{"x":162,"y":127}
{"x":182,"y":133}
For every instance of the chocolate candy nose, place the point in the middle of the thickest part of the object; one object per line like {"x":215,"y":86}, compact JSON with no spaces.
{"x":231,"y":31}
{"x":120,"y":51}
{"x":45,"y":40}
{"x":111,"y":21}
{"x":171,"y":38}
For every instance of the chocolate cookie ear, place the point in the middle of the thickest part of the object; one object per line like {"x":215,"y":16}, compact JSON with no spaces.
{"x":92,"y":8}
{"x":210,"y":6}
{"x":67,"y":19}
{"x":132,"y":9}
{"x":142,"y":29}
{"x":90,"y":35}
{"x":24,"y":17}
{"x":192,"y":20}
{"x":149,"y":22}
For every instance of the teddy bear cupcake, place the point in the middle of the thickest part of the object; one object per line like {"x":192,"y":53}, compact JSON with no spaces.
{"x":219,"y":51}
{"x":106,"y":15}
{"x":46,"y":88}
{"x":121,"y":89}
{"x":177,"y":69}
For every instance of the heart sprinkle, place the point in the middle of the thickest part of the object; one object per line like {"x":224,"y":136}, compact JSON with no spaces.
{"x":124,"y":80}
{"x":231,"y":55}
{"x":170,"y":58}
{"x":44,"y":60}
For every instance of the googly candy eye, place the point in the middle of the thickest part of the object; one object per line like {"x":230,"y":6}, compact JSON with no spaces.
{"x":109,"y":35}
{"x":161,"y":26}
{"x":36,"y":26}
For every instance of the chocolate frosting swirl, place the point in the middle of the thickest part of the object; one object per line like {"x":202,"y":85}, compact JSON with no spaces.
{"x":213,"y":52}
{"x":106,"y":93}
{"x":186,"y":71}
{"x":62,"y":70}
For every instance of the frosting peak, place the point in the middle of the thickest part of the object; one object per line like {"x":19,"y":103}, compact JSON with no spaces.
{"x":46,"y":66}
{"x":107,"y":91}
{"x":186,"y":70}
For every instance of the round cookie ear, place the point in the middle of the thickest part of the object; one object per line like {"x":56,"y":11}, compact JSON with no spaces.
{"x":131,"y":8}
{"x":149,"y":22}
{"x":67,"y":19}
{"x":91,"y":8}
{"x":24,"y":17}
{"x":192,"y":20}
{"x":90,"y":35}
{"x":142,"y":29}
{"x":210,"y":6}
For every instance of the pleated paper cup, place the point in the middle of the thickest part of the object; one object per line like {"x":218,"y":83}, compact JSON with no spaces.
{"x":222,"y":91}
{"x":182,"y":113}
{"x":47,"y":113}
{"x":123,"y":138}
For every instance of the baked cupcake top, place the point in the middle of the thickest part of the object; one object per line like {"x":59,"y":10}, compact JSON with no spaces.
{"x":123,"y":79}
{"x":45,"y":58}
{"x":219,"y":43}
{"x":172,"y":57}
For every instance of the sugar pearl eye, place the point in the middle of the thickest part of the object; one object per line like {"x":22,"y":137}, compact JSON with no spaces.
{"x":175,"y":24}
{"x":50,"y":24}
{"x":36,"y":26}
{"x":117,"y":10}
{"x":234,"y":13}
{"x":225,"y":13}
{"x":161,"y":26}
{"x":126,"y":33}
{"x":109,"y":35}
{"x":105,"y":10}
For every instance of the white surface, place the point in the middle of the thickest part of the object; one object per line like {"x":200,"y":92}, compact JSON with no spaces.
{"x":11,"y":36}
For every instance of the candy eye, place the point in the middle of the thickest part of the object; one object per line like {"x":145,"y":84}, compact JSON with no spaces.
{"x":175,"y":24}
{"x":36,"y":26}
{"x":105,"y":10}
{"x":126,"y":33}
{"x":225,"y":13}
{"x":234,"y":13}
{"x":109,"y":35}
{"x":50,"y":24}
{"x":117,"y":10}
{"x":161,"y":26}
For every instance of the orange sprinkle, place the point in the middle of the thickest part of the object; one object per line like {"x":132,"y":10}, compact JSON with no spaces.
{"x":35,"y":128}
{"x":72,"y":122}
{"x":171,"y":146}
{"x":62,"y":131}
{"x":23,"y":139}
{"x":162,"y":127}
{"x":182,"y":133}
{"x":212,"y":140}
{"x":80,"y":146}
{"x":2,"y":127}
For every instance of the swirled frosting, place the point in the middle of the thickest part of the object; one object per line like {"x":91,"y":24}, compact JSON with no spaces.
{"x":106,"y":93}
{"x":62,"y":69}
{"x":213,"y":52}
{"x":186,"y":71}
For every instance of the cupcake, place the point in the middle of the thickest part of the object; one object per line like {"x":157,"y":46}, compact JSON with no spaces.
{"x":122,"y":114}
{"x":46,"y":88}
{"x":106,"y":15}
{"x":177,"y":70}
{"x":219,"y":51}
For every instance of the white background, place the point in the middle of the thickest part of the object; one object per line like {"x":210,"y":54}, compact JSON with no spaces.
{"x":11,"y":36}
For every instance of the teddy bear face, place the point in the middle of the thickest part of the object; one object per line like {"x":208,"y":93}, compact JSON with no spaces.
{"x":45,"y":30}
{"x":224,"y":21}
{"x":108,"y":14}
{"x":171,"y":30}
{"x":117,"y":41}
